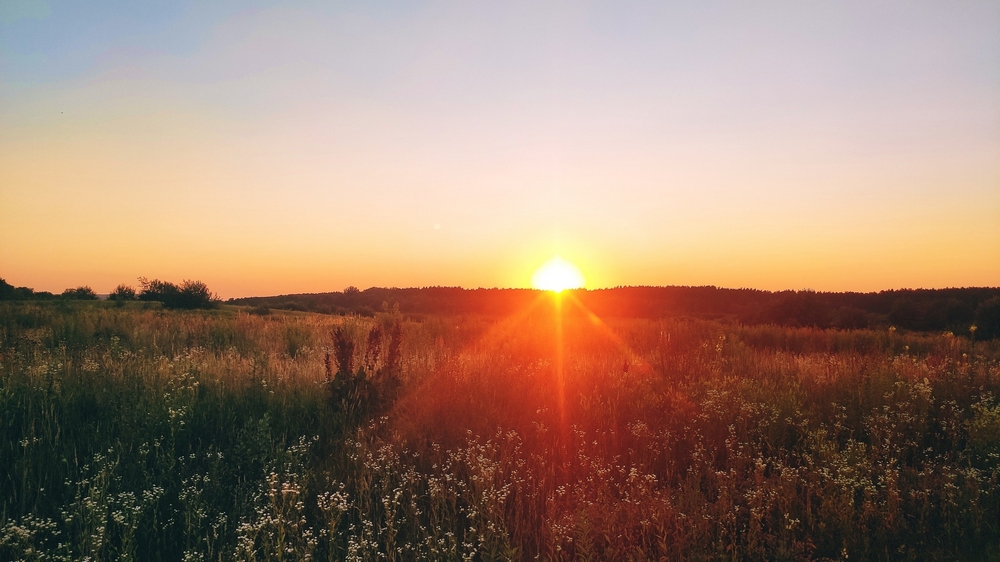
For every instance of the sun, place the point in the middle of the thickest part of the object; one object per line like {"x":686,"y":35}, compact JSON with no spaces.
{"x":557,"y":275}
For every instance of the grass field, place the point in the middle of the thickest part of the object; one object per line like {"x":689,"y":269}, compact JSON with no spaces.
{"x":133,"y":433}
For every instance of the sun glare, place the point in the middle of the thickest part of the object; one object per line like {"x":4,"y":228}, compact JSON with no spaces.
{"x":557,"y":275}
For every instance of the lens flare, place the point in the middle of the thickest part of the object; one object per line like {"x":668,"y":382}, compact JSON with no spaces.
{"x":557,"y":275}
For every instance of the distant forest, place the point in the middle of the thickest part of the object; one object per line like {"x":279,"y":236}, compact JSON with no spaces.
{"x":967,"y":311}
{"x":955,"y":310}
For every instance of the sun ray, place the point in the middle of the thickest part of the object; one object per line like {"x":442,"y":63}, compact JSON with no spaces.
{"x":596,"y":321}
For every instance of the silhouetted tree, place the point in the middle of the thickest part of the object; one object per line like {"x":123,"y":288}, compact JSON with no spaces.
{"x":7,"y":291}
{"x":11,"y":293}
{"x":123,"y":293}
{"x":80,"y":293}
{"x":193,"y":294}
{"x":190,"y":295}
{"x":156,"y":290}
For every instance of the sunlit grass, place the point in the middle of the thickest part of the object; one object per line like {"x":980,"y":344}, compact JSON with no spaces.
{"x":136,"y":433}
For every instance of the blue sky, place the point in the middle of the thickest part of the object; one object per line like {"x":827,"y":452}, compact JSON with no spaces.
{"x":849,"y":145}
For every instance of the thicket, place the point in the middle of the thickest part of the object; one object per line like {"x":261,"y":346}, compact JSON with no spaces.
{"x":123,"y":293}
{"x":189,"y":295}
{"x":131,"y":433}
{"x":9,"y":292}
{"x":80,"y":293}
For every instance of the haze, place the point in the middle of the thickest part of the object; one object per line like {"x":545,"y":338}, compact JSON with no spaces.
{"x":303,"y":147}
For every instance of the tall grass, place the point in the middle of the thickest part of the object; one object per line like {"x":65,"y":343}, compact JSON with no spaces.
{"x":129,"y":432}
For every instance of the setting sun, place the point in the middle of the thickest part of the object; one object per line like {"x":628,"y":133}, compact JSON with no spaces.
{"x":557,"y":275}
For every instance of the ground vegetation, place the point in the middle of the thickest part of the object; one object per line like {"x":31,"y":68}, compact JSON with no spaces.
{"x":137,"y":432}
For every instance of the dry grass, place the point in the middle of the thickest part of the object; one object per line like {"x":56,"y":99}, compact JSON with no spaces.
{"x":135,"y":433}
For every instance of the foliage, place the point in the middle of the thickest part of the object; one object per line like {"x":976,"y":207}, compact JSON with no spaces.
{"x":158,"y":291}
{"x":190,"y":295}
{"x":9,"y":292}
{"x":6,"y":290}
{"x":123,"y":293}
{"x":80,"y":293}
{"x":148,"y":434}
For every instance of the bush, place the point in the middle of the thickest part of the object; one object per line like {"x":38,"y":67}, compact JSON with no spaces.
{"x":260,"y":310}
{"x":156,"y":290}
{"x":193,"y":294}
{"x":123,"y":293}
{"x":80,"y":293}
{"x":190,"y":295}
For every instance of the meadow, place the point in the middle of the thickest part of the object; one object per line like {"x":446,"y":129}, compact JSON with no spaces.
{"x":130,"y":432}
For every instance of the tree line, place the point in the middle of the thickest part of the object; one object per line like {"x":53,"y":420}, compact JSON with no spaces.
{"x":187,"y":295}
{"x":964,"y":311}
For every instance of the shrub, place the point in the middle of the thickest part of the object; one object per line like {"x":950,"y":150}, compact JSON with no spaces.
{"x":156,"y":290}
{"x":190,"y":295}
{"x":80,"y":293}
{"x":260,"y":310}
{"x":193,"y":294}
{"x":123,"y":293}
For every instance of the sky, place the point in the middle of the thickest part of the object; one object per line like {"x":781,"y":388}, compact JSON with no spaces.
{"x":270,"y":148}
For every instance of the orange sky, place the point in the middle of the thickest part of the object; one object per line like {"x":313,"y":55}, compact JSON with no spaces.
{"x":304,"y":148}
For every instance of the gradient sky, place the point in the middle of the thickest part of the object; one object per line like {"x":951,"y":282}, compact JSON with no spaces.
{"x":296,"y":147}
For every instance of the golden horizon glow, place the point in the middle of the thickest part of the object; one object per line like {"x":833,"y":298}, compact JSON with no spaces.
{"x":557,"y":275}
{"x":304,"y":149}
